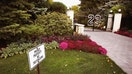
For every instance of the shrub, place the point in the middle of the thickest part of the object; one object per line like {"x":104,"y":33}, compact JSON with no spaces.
{"x":55,"y":24}
{"x":52,"y":45}
{"x":8,"y":31}
{"x":16,"y":32}
{"x":16,"y":48}
{"x":47,"y":39}
{"x":32,"y":31}
{"x":83,"y":45}
{"x":20,"y":48}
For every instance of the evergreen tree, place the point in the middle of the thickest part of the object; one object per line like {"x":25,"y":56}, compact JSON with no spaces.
{"x":14,"y":11}
{"x":88,"y":7}
{"x":58,"y":7}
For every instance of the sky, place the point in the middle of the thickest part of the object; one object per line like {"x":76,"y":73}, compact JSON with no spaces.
{"x":68,"y":3}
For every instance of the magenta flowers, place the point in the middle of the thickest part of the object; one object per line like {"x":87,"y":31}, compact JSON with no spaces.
{"x":102,"y":50}
{"x":63,"y":45}
{"x":83,"y":45}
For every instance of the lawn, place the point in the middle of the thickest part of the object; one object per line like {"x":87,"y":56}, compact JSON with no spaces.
{"x":62,"y":62}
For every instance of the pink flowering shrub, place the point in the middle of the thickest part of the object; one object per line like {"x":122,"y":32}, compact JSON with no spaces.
{"x":63,"y":45}
{"x":76,"y":42}
{"x":102,"y":50}
{"x":83,"y":45}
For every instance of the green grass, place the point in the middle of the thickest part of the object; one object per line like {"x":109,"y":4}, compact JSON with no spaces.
{"x":62,"y":62}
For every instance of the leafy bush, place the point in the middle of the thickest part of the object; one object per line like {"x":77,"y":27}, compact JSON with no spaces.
{"x":16,"y":48}
{"x":32,"y":31}
{"x":8,"y":31}
{"x":14,"y":15}
{"x":47,"y":39}
{"x":20,"y":48}
{"x":16,"y":32}
{"x":55,"y":24}
{"x":14,"y":11}
{"x":52,"y":45}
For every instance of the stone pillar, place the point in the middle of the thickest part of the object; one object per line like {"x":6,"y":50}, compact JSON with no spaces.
{"x":70,"y":13}
{"x":117,"y":22}
{"x":110,"y":22}
{"x":79,"y":28}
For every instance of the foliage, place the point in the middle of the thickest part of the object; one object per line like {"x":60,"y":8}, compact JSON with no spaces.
{"x":20,"y":48}
{"x":14,"y":15}
{"x":8,"y":31}
{"x":88,"y":7}
{"x":52,"y":6}
{"x":16,"y":48}
{"x":55,"y":24}
{"x":16,"y":32}
{"x":32,"y":32}
{"x":44,"y":4}
{"x":52,"y":45}
{"x":37,"y":1}
{"x":35,"y":11}
{"x":48,"y":39}
{"x":128,"y":7}
{"x":117,"y":7}
{"x":126,"y":21}
{"x":75,"y":8}
{"x":58,"y":7}
{"x":76,"y":12}
{"x":77,"y":37}
{"x":14,"y":12}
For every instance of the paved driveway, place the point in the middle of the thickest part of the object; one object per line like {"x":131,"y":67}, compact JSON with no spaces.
{"x":119,"y":47}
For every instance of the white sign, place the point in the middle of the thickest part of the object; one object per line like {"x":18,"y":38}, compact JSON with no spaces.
{"x":36,"y":55}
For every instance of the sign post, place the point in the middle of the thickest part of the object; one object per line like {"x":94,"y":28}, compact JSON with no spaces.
{"x":35,"y":56}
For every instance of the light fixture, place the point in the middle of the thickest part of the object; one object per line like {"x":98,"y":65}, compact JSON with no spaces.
{"x":119,"y":10}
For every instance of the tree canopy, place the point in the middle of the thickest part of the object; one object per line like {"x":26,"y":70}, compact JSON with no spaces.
{"x":58,"y":7}
{"x":102,"y":7}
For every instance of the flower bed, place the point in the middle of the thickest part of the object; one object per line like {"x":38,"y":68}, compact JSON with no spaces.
{"x":83,"y":45}
{"x":73,"y":42}
{"x":77,"y":42}
{"x":125,"y":33}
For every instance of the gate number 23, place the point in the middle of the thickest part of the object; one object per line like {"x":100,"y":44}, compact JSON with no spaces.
{"x":93,"y":19}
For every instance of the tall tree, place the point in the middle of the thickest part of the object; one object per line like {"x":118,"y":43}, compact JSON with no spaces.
{"x":58,"y":7}
{"x":88,"y":7}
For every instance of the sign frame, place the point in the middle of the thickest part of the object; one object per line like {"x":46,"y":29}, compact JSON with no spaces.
{"x":37,"y":57}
